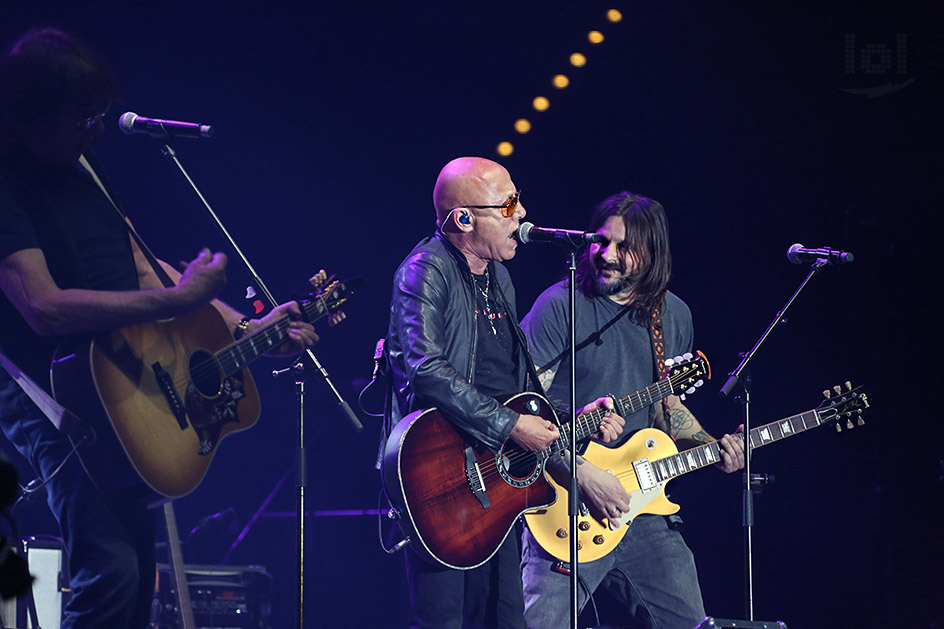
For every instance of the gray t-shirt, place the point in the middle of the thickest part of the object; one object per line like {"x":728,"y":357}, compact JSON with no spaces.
{"x":614,"y":352}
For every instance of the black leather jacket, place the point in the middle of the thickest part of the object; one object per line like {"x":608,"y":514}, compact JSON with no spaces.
{"x":432,"y":339}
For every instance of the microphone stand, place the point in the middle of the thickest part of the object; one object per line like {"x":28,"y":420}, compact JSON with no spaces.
{"x":572,"y":241}
{"x":300,"y":368}
{"x":573,"y":507}
{"x":741,"y":376}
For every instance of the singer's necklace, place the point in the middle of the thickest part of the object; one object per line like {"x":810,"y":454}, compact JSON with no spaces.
{"x":488,"y":310}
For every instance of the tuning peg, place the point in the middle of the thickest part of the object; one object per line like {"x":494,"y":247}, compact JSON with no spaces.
{"x":687,"y":356}
{"x":336,"y":318}
{"x":849,"y":425}
{"x":860,"y":422}
{"x":690,"y":390}
{"x":848,"y":386}
{"x":827,"y":393}
{"x":669,"y":362}
{"x":318,"y":278}
{"x":837,"y":389}
{"x":682,"y":397}
{"x":699,"y":383}
{"x":838,"y":427}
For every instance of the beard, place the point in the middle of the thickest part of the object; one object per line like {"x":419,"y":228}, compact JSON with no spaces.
{"x":607,"y":287}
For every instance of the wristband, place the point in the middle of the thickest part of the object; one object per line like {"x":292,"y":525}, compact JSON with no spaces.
{"x":241,"y":328}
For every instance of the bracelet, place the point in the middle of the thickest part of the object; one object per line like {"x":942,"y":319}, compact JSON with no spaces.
{"x":241,"y":328}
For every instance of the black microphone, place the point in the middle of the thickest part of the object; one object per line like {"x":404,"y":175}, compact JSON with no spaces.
{"x":528,"y":233}
{"x":131,"y":122}
{"x":798,"y":254}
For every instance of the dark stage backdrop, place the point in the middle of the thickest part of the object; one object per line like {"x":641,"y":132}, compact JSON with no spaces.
{"x":757,"y":125}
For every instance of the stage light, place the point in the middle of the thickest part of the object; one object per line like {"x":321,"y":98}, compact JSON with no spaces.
{"x":559,"y":81}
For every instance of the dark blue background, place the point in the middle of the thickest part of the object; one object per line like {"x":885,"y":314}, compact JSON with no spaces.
{"x":332,"y":123}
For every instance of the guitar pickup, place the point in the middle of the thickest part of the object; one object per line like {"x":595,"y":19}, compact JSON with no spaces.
{"x":166,"y":385}
{"x":474,"y":475}
{"x":644,"y":474}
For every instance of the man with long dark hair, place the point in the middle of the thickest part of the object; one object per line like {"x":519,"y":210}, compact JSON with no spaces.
{"x":68,"y":267}
{"x":623,"y":311}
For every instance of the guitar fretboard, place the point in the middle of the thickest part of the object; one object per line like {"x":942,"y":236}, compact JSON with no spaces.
{"x":252,"y":346}
{"x":710,"y":453}
{"x":589,"y":423}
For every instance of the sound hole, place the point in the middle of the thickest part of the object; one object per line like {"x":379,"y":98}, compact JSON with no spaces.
{"x":205,"y":374}
{"x":518,"y":463}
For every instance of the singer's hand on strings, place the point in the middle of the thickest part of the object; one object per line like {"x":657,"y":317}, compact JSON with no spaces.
{"x":533,"y":432}
{"x":300,"y":334}
{"x":202,"y":279}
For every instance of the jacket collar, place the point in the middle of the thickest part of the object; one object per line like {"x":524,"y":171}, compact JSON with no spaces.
{"x":457,"y":255}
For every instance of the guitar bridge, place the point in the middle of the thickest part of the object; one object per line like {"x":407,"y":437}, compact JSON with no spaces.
{"x":474,"y":475}
{"x":166,"y":385}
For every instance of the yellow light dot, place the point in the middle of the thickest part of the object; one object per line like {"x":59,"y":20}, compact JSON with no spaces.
{"x":614,"y":16}
{"x":578,"y":60}
{"x":522,"y":125}
{"x":560,"y":81}
{"x":505,"y":149}
{"x":541,"y":104}
{"x":595,"y":37}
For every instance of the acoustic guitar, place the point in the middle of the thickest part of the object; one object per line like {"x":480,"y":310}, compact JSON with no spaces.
{"x":159,"y":397}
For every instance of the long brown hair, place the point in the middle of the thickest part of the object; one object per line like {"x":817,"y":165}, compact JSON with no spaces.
{"x":647,"y":234}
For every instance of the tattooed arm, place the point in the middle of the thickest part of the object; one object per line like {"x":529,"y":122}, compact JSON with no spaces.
{"x":688,"y":433}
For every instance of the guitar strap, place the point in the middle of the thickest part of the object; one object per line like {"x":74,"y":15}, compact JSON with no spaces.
{"x":152,"y":260}
{"x":658,"y":354}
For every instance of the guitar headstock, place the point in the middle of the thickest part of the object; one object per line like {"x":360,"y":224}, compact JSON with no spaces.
{"x":843,"y":404}
{"x":687,"y":372}
{"x":327,"y":297}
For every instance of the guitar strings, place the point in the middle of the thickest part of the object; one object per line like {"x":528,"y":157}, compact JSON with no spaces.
{"x":749,"y":442}
{"x":490,"y":468}
{"x":217,"y":361}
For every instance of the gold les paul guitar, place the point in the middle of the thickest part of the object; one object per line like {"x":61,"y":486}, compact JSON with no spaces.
{"x":649,"y":460}
{"x":159,"y":397}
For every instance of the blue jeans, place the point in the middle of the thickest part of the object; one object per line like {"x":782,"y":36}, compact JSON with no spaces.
{"x":651,"y":572}
{"x":109,"y":539}
{"x":487,"y":596}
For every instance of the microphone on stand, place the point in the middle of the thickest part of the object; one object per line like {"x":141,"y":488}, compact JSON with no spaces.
{"x":130,"y":122}
{"x":798,"y":254}
{"x":528,"y":233}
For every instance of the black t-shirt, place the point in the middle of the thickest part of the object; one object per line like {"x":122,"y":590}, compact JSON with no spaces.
{"x":60,"y":210}
{"x":495,"y":361}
